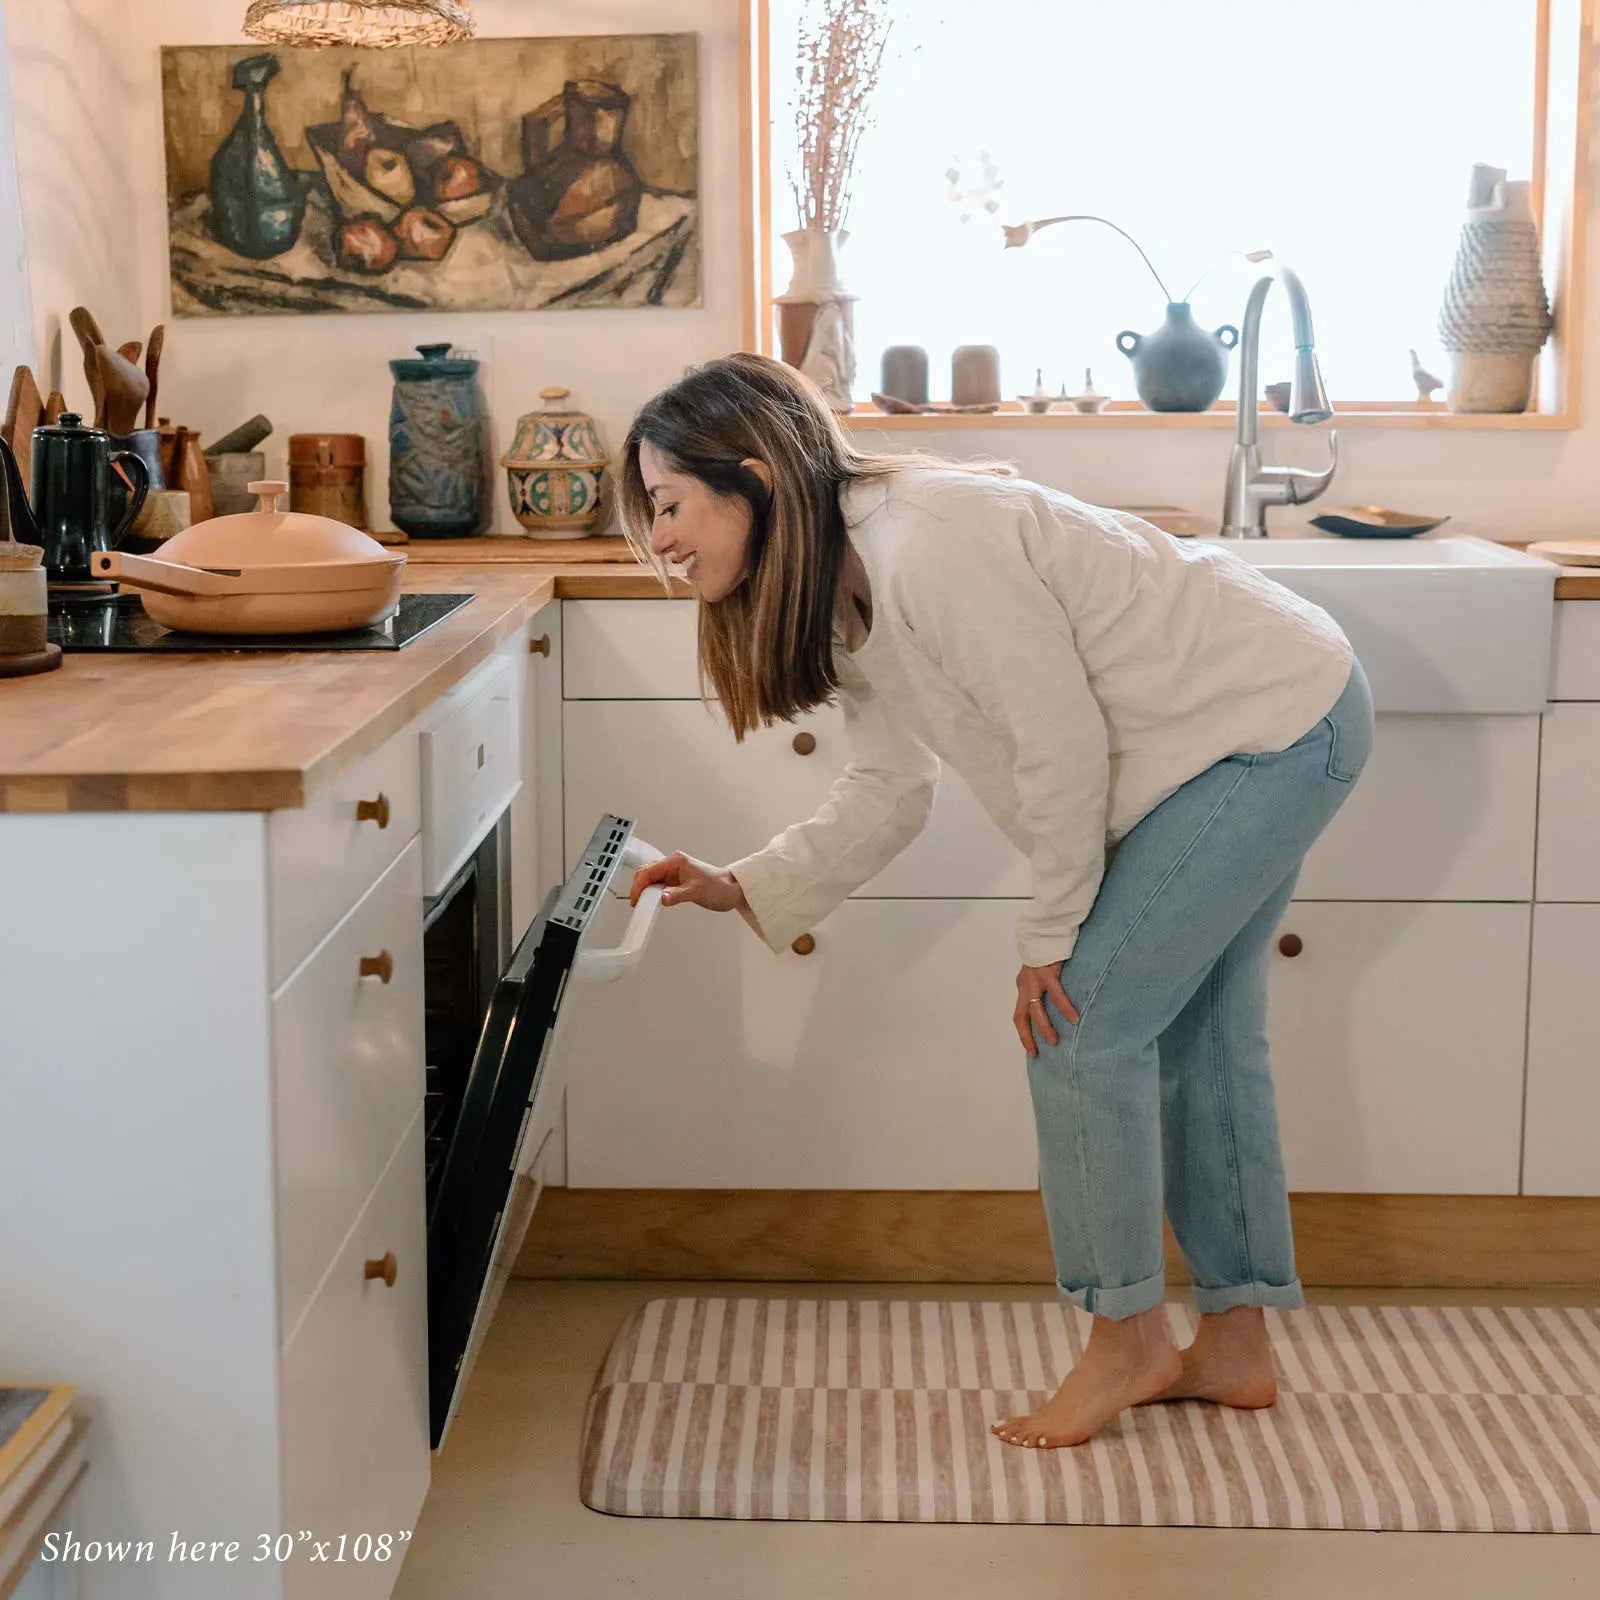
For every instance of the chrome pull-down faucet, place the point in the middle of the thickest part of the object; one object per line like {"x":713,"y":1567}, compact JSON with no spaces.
{"x":1251,"y":487}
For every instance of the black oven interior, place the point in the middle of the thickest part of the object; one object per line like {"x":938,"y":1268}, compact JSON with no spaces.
{"x":466,"y":935}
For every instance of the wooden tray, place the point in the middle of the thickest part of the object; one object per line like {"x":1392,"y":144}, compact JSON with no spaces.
{"x":509,"y":548}
{"x":1569,"y":552}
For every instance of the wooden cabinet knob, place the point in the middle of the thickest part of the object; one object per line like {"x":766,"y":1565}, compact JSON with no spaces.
{"x":540,"y":646}
{"x":804,"y":945}
{"x":380,"y":966}
{"x":374,"y":811}
{"x":1291,"y":944}
{"x":384,"y":1269}
{"x":805,"y":743}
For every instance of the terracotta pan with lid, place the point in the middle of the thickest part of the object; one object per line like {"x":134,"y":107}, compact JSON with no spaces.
{"x":263,"y":571}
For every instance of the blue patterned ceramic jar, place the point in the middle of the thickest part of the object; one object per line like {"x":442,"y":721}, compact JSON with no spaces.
{"x":438,"y":473}
{"x":556,"y":470}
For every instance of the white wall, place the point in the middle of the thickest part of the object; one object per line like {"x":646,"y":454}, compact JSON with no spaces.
{"x":90,"y":152}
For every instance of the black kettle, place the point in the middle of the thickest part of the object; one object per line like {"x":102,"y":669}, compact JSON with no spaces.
{"x":78,"y":502}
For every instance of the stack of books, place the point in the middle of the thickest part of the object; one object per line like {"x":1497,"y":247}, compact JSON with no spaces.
{"x":41,"y":1460}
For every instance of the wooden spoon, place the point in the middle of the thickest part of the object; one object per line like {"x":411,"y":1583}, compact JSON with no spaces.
{"x":152,"y":360}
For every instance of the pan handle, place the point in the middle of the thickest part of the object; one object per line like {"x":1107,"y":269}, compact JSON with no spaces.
{"x":165,"y":577}
{"x":614,"y":961}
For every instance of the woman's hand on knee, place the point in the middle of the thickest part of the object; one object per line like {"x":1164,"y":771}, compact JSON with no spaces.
{"x":1033,"y":985}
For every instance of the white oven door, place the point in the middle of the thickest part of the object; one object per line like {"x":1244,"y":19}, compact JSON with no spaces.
{"x":487,"y":1188}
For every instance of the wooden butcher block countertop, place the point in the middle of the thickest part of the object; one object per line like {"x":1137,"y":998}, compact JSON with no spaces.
{"x":256,"y":732}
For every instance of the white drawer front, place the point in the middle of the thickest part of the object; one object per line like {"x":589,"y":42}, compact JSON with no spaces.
{"x":324,"y":856}
{"x":1444,"y":811}
{"x":1569,"y":804}
{"x":630,"y":649}
{"x":675,"y":769}
{"x":471,"y":766}
{"x":1397,"y":1047}
{"x":348,"y":1075}
{"x":884,"y":1059}
{"x":354,"y":1393}
{"x":1562,"y":1149}
{"x":1577,"y":651}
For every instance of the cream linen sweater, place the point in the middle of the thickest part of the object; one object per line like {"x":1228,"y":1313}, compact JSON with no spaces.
{"x":1075,"y":665}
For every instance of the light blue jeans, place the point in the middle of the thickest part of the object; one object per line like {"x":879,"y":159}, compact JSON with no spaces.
{"x":1161,"y":1090}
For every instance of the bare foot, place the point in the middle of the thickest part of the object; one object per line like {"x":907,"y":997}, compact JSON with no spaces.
{"x":1126,"y":1364}
{"x":1230,"y":1363}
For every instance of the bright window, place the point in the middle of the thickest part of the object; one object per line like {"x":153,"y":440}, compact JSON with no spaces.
{"x":1339,"y":134}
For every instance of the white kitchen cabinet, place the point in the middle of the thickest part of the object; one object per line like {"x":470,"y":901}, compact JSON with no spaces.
{"x":1397,"y":1040}
{"x":354,"y":1398}
{"x":884,"y":1059}
{"x":1569,"y":804}
{"x":1562,"y":1143}
{"x":677,"y":771}
{"x":222,"y":1124}
{"x":347,"y":1054}
{"x":1444,"y":810}
{"x":630,"y":650}
{"x":1576,"y":670}
{"x":323,"y":856}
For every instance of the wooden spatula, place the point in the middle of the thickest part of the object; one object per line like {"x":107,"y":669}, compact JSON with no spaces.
{"x":125,"y":389}
{"x":152,"y":360}
{"x":90,"y":338}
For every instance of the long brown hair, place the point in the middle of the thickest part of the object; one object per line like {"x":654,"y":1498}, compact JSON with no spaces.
{"x":767,"y":645}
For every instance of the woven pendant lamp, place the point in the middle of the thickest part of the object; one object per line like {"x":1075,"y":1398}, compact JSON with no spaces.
{"x":375,"y":24}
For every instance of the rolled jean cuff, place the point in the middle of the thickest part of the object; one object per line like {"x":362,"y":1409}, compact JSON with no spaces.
{"x":1128,"y":1300}
{"x":1288,"y":1295}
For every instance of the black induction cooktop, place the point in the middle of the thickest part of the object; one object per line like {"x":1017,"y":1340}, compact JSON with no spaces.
{"x":120,"y":622}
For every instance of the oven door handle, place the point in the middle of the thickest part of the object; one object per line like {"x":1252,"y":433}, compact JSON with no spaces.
{"x":610,"y":962}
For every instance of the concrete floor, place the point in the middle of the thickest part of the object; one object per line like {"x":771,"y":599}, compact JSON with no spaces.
{"x":503,"y":1520}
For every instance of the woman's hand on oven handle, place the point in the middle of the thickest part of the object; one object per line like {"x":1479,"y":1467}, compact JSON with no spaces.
{"x":685,"y":879}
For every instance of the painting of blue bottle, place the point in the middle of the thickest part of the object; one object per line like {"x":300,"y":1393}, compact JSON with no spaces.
{"x":257,"y":203}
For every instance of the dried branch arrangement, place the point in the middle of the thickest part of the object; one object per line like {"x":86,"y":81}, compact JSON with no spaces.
{"x":839,"y":59}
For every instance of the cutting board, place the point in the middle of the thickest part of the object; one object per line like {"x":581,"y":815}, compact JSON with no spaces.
{"x":24,"y":413}
{"x":511,"y":548}
{"x":1569,"y":552}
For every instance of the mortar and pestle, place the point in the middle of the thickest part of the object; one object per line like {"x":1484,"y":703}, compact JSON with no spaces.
{"x":235,"y":463}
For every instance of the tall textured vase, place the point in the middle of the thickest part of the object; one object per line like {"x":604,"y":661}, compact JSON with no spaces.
{"x":816,"y":322}
{"x":438,"y":470}
{"x":1495,"y":317}
{"x":257,"y":203}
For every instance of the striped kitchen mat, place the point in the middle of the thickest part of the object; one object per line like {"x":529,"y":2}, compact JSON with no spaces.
{"x":1467,"y":1419}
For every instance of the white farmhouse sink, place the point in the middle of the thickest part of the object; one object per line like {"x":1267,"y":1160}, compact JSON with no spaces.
{"x":1455,"y":624}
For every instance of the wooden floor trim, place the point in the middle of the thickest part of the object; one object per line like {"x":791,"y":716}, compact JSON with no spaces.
{"x":998,"y":1236}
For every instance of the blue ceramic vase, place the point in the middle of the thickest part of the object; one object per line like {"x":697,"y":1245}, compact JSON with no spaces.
{"x":1179,"y":367}
{"x":438,"y":465}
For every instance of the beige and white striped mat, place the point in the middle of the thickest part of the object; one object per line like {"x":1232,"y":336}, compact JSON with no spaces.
{"x":1464,"y":1419}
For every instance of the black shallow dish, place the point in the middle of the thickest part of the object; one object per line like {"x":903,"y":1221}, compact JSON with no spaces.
{"x":1375,"y":522}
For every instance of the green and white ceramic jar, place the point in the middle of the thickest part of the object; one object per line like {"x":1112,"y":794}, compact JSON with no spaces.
{"x":556,"y":470}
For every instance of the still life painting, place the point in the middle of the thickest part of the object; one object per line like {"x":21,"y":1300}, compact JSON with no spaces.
{"x":495,"y":174}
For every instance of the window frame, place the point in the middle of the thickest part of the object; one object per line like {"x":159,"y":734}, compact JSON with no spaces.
{"x":1563,"y":87}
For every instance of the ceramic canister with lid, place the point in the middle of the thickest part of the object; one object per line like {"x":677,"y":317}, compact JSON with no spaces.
{"x":328,"y":476}
{"x":438,"y":477}
{"x":556,"y":470}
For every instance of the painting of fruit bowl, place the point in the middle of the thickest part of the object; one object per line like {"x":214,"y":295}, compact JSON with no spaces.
{"x":489,"y":175}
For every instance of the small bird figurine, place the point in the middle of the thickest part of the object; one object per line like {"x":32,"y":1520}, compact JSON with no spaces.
{"x":1425,"y":381}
